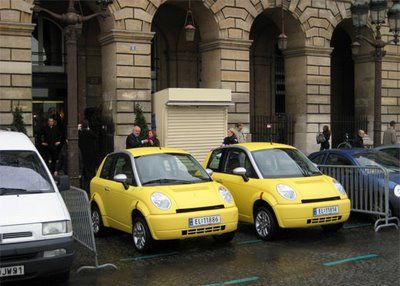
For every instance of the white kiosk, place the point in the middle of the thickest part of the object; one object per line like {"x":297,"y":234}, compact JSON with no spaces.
{"x":193,"y":119}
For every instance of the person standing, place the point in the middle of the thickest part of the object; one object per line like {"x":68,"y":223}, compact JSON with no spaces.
{"x":152,"y":139}
{"x":133,"y":140}
{"x":230,"y":139}
{"x":327,"y":134}
{"x":87,"y":142}
{"x":358,"y":141}
{"x":241,"y":138}
{"x":50,"y":143}
{"x":389,"y":136}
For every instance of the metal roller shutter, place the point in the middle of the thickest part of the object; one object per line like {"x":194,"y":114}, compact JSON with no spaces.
{"x":196,"y":130}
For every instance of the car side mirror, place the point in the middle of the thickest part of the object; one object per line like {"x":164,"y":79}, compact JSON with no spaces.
{"x":209,"y":172}
{"x":241,"y":172}
{"x":122,"y":178}
{"x":62,"y":183}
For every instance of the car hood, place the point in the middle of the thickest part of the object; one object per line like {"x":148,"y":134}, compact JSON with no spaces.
{"x":193,"y":195}
{"x":33,"y":208}
{"x":314,"y":187}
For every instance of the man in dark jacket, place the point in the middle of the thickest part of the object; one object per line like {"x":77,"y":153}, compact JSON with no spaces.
{"x":133,"y":140}
{"x":51,"y":141}
{"x":358,"y":141}
{"x":87,"y":145}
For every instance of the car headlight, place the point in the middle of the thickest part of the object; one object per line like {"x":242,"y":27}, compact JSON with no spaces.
{"x":339,"y":187}
{"x":286,"y":191}
{"x":225,"y":194}
{"x":161,"y":201}
{"x":56,"y":227}
{"x":396,"y":191}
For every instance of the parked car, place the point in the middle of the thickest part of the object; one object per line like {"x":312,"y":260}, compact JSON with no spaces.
{"x":35,"y":226}
{"x":275,"y":185}
{"x":365,"y":158}
{"x":391,"y":150}
{"x":160,"y":194}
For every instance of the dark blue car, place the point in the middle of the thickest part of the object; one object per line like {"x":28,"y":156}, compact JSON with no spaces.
{"x":365,"y":158}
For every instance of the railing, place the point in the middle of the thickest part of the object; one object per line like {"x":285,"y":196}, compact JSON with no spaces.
{"x":349,"y":125}
{"x":277,"y":128}
{"x":367,"y":189}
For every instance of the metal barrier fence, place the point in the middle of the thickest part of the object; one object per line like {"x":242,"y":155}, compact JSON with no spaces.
{"x":367,"y":189}
{"x":77,"y":203}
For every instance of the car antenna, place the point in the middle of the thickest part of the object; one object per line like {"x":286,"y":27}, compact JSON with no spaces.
{"x":269,"y":128}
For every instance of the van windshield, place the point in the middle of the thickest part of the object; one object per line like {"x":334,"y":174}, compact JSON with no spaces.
{"x":22,"y":172}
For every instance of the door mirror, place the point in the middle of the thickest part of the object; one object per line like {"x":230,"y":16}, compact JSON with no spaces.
{"x":210,"y":172}
{"x":62,"y":183}
{"x":241,"y":172}
{"x":122,"y":178}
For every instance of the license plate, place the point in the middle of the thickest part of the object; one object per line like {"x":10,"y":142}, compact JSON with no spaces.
{"x":205,"y":220}
{"x":12,"y":271}
{"x":326,"y":210}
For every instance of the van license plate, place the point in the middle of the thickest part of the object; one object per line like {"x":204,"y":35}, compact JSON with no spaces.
{"x":326,"y":210}
{"x":12,"y":271}
{"x":205,"y":220}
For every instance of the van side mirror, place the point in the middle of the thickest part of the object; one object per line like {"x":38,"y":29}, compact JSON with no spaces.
{"x":241,"y":172}
{"x":209,"y":172}
{"x":122,"y":178}
{"x":62,"y":183}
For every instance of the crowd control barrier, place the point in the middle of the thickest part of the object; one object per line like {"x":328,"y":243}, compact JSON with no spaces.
{"x":368,"y":190}
{"x":77,"y":203}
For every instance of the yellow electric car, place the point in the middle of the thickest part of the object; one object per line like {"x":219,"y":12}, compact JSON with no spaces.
{"x":160,"y":194}
{"x":275,"y":185}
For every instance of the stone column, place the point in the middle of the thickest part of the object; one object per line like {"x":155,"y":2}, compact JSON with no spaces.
{"x":308,"y":93}
{"x":126,"y":64}
{"x":16,"y":72}
{"x":226,"y":64}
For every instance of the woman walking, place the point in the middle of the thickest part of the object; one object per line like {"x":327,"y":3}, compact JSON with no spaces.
{"x":327,"y":134}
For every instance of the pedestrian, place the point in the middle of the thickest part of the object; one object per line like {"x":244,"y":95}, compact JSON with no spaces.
{"x":389,"y":136}
{"x":152,"y":139}
{"x":50,"y":143}
{"x":327,"y":135}
{"x":133,"y":140}
{"x":87,"y":142}
{"x":231,"y":138}
{"x":62,"y":162}
{"x":358,"y":141}
{"x":239,"y":132}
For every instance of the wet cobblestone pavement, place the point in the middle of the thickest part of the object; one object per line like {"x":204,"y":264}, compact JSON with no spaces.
{"x":356,"y":255}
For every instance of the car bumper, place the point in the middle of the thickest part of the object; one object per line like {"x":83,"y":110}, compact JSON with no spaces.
{"x":30,"y":255}
{"x":176,"y":226}
{"x":301,"y":215}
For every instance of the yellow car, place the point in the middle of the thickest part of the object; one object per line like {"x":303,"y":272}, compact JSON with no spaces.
{"x":275,"y":185}
{"x":160,"y":194}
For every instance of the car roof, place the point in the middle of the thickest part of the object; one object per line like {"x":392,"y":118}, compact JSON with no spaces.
{"x":387,"y":146}
{"x":10,"y":140}
{"x":255,"y":146}
{"x":350,"y":152}
{"x":142,"y":151}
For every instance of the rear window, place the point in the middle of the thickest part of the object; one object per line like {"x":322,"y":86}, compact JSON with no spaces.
{"x":22,"y":172}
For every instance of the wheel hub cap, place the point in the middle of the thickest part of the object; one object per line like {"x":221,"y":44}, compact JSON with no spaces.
{"x":262,"y":223}
{"x":139,"y":235}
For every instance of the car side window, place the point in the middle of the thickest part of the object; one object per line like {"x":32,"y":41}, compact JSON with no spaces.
{"x":392,"y":152}
{"x":215,"y":160}
{"x":123,"y":166}
{"x":318,"y":159}
{"x":106,"y":171}
{"x":239,"y":158}
{"x":335,"y":159}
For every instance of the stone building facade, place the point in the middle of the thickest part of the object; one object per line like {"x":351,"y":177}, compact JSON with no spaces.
{"x":141,"y":48}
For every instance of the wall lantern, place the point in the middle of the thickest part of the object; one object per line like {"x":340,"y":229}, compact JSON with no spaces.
{"x":394,"y":19}
{"x":282,"y":38}
{"x":190,"y":29}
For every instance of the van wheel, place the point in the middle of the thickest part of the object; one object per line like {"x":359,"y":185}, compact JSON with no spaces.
{"x":224,"y":238}
{"x":97,"y":222}
{"x":141,"y":235}
{"x":332,"y":227}
{"x":265,"y":223}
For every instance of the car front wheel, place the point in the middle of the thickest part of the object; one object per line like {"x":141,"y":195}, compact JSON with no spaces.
{"x":97,"y":222}
{"x":265,"y":223}
{"x":142,"y":239}
{"x":332,"y":227}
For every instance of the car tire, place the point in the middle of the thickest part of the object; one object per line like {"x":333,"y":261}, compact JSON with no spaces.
{"x":332,"y":227}
{"x":97,"y":222}
{"x":265,"y":223}
{"x":142,"y":239}
{"x":224,"y":238}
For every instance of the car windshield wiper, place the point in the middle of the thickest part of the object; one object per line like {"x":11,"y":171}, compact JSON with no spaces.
{"x":12,"y":191}
{"x":166,"y":181}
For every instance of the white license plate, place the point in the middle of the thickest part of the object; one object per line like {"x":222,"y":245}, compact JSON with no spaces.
{"x":326,"y":210}
{"x":12,"y":271}
{"x":205,"y":220}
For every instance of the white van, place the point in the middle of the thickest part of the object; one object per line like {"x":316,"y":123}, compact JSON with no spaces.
{"x":35,"y":226}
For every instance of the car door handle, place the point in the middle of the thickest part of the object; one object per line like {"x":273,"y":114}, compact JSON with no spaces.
{"x":106,"y":189}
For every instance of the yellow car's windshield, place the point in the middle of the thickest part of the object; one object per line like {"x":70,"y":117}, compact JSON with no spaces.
{"x":166,"y":168}
{"x":284,"y":163}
